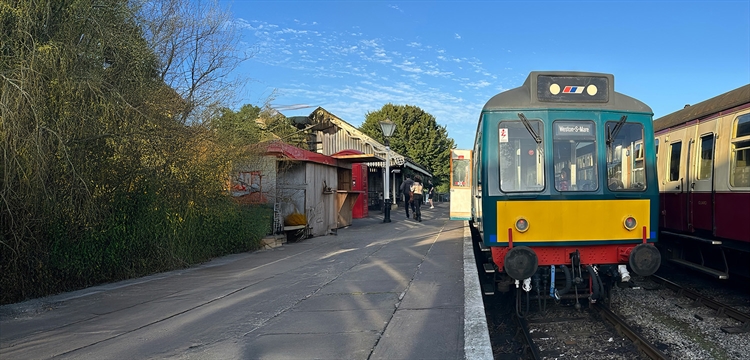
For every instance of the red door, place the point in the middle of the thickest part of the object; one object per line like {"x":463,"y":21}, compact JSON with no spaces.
{"x":359,"y":184}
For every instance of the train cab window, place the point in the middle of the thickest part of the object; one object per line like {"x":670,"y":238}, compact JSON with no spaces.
{"x":520,"y":156}
{"x":574,"y":149}
{"x":739,"y":169}
{"x":626,"y":170}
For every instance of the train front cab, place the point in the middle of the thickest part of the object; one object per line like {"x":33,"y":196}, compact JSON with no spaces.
{"x":460,"y":186}
{"x":600,"y":216}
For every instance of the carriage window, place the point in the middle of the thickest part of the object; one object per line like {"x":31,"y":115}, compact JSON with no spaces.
{"x":521,"y":159}
{"x":626,"y":170}
{"x":705,"y":165}
{"x":674,"y":160}
{"x":574,"y":149}
{"x":739,"y":171}
{"x":461,"y":173}
{"x":656,"y":150}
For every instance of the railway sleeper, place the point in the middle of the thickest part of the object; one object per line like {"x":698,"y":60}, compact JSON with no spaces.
{"x":744,"y":328}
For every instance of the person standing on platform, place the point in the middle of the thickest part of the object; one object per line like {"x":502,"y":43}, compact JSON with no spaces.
{"x":405,"y":189}
{"x":430,"y":193}
{"x":417,"y":197}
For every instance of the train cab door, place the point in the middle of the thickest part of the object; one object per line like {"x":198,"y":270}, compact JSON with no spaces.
{"x":674,"y":195}
{"x":460,"y":188}
{"x":700,"y":182}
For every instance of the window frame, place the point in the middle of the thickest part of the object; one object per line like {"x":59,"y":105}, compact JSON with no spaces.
{"x":700,"y":159}
{"x":670,"y":158}
{"x":593,"y":141}
{"x":611,"y":149}
{"x":538,"y":125}
{"x":744,"y":141}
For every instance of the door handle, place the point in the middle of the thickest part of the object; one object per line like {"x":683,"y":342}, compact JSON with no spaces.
{"x":478,"y":196}
{"x":692,"y":186}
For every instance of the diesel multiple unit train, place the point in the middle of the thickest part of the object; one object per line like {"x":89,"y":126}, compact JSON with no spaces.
{"x":564,"y":186}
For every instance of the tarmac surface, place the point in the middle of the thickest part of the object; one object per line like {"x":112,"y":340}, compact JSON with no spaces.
{"x":399,"y":290}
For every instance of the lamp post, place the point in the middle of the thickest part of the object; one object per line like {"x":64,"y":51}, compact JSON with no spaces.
{"x":387,"y":126}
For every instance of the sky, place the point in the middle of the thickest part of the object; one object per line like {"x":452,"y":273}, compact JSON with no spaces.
{"x":450,"y":57}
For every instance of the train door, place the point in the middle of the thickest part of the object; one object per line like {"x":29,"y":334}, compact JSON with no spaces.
{"x":674,"y":197}
{"x":460,"y":188}
{"x":700,"y":178}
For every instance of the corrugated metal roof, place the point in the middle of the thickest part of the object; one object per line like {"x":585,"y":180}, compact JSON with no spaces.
{"x":338,"y":135}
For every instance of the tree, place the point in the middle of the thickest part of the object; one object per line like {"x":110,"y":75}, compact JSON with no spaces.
{"x":101,"y":179}
{"x":78,"y":90}
{"x":417,"y":136}
{"x":197,"y":47}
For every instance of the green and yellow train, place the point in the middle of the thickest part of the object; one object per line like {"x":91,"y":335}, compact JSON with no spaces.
{"x":564,"y":186}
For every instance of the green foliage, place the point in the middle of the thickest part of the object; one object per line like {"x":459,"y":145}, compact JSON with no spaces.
{"x":417,"y":136}
{"x":100,"y":182}
{"x":145,"y":236}
{"x":238,"y":128}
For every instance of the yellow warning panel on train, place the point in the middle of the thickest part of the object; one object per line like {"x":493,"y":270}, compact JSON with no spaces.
{"x":579,"y":220}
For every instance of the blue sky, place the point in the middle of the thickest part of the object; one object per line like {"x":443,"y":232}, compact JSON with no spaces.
{"x":450,"y":57}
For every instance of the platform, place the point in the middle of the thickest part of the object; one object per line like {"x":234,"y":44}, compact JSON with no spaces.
{"x":399,"y":290}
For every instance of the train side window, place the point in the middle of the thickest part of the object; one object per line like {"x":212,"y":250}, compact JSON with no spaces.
{"x":705,"y":164}
{"x":520,"y":157}
{"x":574,"y":146}
{"x":675,"y":149}
{"x":739,"y":170}
{"x":626,"y":168}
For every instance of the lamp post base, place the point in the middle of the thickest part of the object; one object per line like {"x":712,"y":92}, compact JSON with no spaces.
{"x":387,"y":211}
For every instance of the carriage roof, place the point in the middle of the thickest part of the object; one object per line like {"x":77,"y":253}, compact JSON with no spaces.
{"x":714,"y":105}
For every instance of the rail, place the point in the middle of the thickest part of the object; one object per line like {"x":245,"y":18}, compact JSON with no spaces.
{"x":720,"y":308}
{"x":530,"y":346}
{"x":624,"y":329}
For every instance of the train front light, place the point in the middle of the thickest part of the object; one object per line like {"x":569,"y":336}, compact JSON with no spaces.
{"x":522,"y":225}
{"x":630,"y":223}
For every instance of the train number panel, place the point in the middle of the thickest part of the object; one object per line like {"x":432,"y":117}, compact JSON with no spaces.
{"x":566,"y":185}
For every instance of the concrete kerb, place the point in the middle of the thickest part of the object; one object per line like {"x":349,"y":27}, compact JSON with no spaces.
{"x":476,"y":335}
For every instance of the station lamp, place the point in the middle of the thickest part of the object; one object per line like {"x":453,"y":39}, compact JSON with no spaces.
{"x":387,"y":126}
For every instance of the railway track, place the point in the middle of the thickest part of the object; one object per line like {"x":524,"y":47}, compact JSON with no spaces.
{"x":720,"y":308}
{"x":643,"y":345}
{"x":565,"y":333}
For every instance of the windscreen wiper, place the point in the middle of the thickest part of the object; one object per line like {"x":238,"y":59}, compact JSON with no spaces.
{"x":531,"y":131}
{"x":613,"y":134}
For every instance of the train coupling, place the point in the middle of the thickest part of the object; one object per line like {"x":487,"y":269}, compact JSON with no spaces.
{"x":624,"y":274}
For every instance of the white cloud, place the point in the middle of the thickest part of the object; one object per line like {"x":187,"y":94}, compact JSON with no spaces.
{"x":351,"y":73}
{"x":479,"y":84}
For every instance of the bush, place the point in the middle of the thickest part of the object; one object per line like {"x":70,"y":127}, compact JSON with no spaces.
{"x":140,"y":237}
